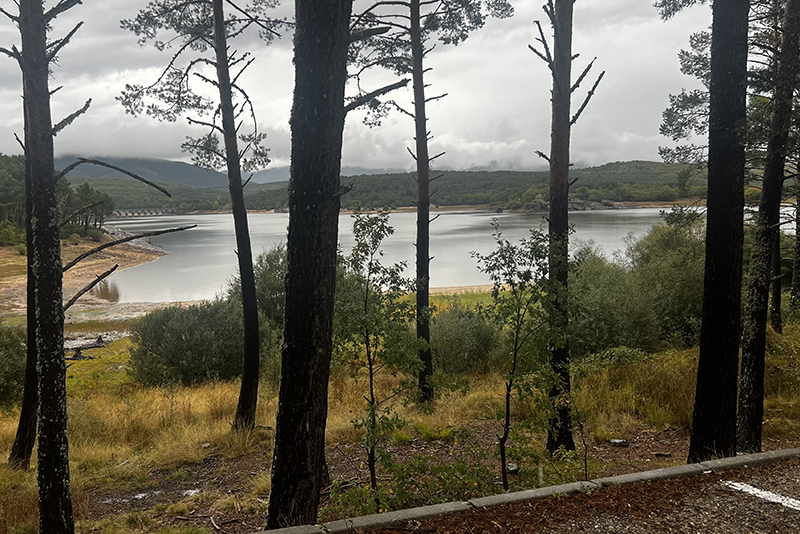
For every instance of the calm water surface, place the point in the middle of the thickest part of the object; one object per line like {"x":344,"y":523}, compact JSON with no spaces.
{"x":201,"y":261}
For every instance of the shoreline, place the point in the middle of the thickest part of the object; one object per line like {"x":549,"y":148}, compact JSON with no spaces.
{"x":13,"y":277}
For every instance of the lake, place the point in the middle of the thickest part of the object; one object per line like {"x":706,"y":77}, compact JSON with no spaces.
{"x":200,"y":261}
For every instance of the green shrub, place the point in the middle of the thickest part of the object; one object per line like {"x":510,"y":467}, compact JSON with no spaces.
{"x":462,"y":340}
{"x":649,"y":299}
{"x":188,"y":345}
{"x":12,"y":365}
{"x":9,"y":234}
{"x":21,"y":249}
{"x":95,"y":234}
{"x":270,"y":273}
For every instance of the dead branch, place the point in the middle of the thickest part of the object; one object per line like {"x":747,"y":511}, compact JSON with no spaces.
{"x":61,"y":43}
{"x":80,"y":210}
{"x":543,"y":155}
{"x":13,"y":18}
{"x":582,"y":76}
{"x":60,"y":7}
{"x":104,"y":246}
{"x":110,"y":166}
{"x":253,"y":19}
{"x":589,"y":96}
{"x":366,"y":33}
{"x":573,"y":182}
{"x":361,"y":100}
{"x":432,"y":98}
{"x":89,"y":286}
{"x":71,"y":117}
{"x":412,"y":154}
{"x":439,"y":155}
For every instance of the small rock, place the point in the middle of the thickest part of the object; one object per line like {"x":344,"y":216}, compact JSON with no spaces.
{"x":513,"y":469}
{"x":206,"y":445}
{"x":618,"y":442}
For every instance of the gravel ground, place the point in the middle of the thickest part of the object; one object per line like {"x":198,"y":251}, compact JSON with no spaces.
{"x":698,"y":504}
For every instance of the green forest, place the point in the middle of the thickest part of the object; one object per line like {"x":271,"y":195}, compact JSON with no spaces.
{"x":323,"y":383}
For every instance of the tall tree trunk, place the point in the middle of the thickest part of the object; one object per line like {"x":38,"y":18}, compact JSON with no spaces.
{"x":559,"y":433}
{"x":55,"y":502}
{"x":775,"y":315}
{"x":248,"y":395}
{"x":320,"y":42}
{"x":22,"y":449}
{"x":795,"y":296}
{"x":767,"y":239}
{"x":714,"y":424}
{"x":423,"y":207}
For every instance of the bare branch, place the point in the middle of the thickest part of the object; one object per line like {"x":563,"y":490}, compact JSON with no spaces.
{"x":435,"y":178}
{"x":366,"y":33}
{"x":253,"y":19}
{"x":361,"y":100}
{"x":60,"y":7}
{"x":89,"y":286}
{"x":437,"y":216}
{"x":582,"y":76}
{"x":110,"y":166}
{"x":412,"y":154}
{"x":13,"y":18}
{"x":589,"y":96}
{"x":61,"y":43}
{"x":71,"y":117}
{"x":104,"y":246}
{"x":432,"y":98}
{"x":13,"y":54}
{"x":439,"y":155}
{"x":80,"y":210}
{"x":543,"y":155}
{"x":569,"y":185}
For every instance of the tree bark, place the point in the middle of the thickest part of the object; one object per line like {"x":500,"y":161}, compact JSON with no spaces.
{"x":423,"y":207}
{"x":248,"y":394}
{"x":55,"y":502}
{"x":25,"y":439}
{"x":775,"y":315}
{"x":795,"y":295}
{"x":767,"y":239}
{"x":320,"y":42}
{"x":714,"y":423}
{"x":559,"y":433}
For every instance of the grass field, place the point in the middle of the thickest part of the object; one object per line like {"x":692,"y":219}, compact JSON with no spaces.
{"x":127,"y":439}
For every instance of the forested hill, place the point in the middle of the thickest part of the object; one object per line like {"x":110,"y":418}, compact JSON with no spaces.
{"x":156,"y":170}
{"x":619,"y":181}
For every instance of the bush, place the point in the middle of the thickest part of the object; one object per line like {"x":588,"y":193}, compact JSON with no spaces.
{"x":10,"y":235}
{"x":650,"y":299}
{"x":21,"y":249}
{"x":188,"y":345}
{"x":462,"y":340}
{"x":270,"y":272}
{"x":12,"y":365}
{"x":95,"y":234}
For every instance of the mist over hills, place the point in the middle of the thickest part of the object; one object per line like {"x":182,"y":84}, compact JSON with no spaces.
{"x":156,"y":170}
{"x":195,"y":188}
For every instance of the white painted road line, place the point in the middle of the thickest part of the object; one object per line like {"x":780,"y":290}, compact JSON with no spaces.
{"x":788,"y":502}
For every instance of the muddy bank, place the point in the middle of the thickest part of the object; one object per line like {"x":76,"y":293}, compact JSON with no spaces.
{"x":13,"y":271}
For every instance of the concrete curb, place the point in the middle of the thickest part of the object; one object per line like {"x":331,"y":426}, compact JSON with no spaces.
{"x":403,"y":517}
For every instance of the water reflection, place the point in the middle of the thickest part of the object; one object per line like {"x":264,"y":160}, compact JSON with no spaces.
{"x":201,"y":261}
{"x":106,"y":290}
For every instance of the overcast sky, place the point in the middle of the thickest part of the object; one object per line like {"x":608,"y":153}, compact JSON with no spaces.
{"x":496,"y":115}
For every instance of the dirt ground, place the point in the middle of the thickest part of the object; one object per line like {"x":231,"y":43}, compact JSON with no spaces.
{"x":204,"y":485}
{"x":13,"y":272}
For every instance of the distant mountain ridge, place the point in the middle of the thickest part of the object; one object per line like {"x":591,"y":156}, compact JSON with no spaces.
{"x":156,"y":170}
{"x":178,"y":172}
